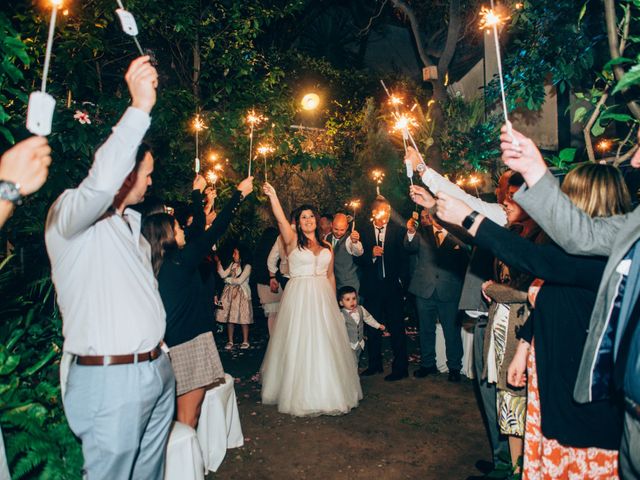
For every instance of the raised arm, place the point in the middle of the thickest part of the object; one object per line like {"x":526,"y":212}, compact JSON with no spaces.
{"x":570,"y":227}
{"x":77,"y":209}
{"x":438,"y":184}
{"x":543,"y":261}
{"x":194,"y":251}
{"x":288,"y":235}
{"x":26,"y":166}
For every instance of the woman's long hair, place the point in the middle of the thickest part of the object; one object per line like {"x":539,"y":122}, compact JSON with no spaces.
{"x":158,"y":230}
{"x":303,"y":241}
{"x":598,"y":189}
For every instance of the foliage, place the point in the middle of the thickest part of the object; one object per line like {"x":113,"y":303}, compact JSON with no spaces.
{"x":13,"y":53}
{"x":469,"y":143}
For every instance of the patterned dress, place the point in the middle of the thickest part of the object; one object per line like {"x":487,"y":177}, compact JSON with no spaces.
{"x":236,"y":296}
{"x":545,"y":458}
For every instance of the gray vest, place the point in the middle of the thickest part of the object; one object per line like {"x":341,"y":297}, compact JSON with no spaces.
{"x":344,"y":268}
{"x":355,"y":332}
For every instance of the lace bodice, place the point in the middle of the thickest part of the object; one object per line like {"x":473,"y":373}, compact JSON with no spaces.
{"x":303,"y":263}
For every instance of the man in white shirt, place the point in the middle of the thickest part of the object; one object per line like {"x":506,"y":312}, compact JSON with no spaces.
{"x":120,"y":391}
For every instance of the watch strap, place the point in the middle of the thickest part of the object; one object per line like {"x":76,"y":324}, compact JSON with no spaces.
{"x":470,"y":220}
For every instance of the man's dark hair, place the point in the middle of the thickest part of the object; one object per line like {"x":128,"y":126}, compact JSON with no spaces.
{"x":516,"y":180}
{"x":342,"y":291}
{"x":143,"y":149}
{"x":328,"y":216}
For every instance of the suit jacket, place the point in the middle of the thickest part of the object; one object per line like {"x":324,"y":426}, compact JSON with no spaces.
{"x":438,"y":269}
{"x":579,"y":234}
{"x":344,"y":266}
{"x":395,"y":258}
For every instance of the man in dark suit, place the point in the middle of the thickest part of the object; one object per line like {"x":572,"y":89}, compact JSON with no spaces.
{"x":437,"y":284}
{"x":383,"y":263}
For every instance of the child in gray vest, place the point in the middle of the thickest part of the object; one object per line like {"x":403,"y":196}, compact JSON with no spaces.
{"x":355,"y":317}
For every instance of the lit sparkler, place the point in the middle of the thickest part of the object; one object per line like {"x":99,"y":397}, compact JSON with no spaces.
{"x":377,"y":176}
{"x":265,"y":150}
{"x":354,"y":205}
{"x":490,"y":20}
{"x":198,"y":126}
{"x":252,"y":119}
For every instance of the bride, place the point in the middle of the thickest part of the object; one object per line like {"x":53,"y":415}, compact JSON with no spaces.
{"x":309,"y":368}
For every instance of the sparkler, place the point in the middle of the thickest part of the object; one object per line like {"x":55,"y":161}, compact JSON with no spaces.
{"x":353,"y":204}
{"x":378,"y":177}
{"x":252,"y":119}
{"x":198,"y":126}
{"x":474,"y":181}
{"x":490,"y":20}
{"x":41,"y":104}
{"x":129,"y":25}
{"x":603,"y":146}
{"x":264,"y":150}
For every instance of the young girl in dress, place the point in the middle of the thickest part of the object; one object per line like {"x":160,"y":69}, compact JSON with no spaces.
{"x":236,"y":298}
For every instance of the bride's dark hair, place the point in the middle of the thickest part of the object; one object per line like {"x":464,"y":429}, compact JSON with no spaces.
{"x":303,"y":241}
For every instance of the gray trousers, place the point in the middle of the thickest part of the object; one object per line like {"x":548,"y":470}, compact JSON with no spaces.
{"x":122,"y":414}
{"x":630,"y":449}
{"x":499,"y":444}
{"x":430,"y":310}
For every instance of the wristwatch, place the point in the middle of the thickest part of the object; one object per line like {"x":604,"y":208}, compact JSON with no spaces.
{"x":470,"y":220}
{"x":10,"y":191}
{"x":421,"y":168}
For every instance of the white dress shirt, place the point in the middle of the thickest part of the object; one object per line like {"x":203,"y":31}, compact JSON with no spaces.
{"x":437,"y":183}
{"x":278,"y":252}
{"x":101,"y":265}
{"x":354,"y":249}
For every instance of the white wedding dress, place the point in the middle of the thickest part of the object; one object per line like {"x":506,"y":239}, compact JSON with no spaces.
{"x":309,"y":368}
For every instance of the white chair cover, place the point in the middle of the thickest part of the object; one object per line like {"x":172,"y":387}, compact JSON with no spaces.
{"x":184,"y":458}
{"x":467,"y":349}
{"x":4,"y":465}
{"x":219,"y":425}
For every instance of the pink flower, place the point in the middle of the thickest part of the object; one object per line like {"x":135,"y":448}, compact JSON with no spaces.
{"x":82,"y":117}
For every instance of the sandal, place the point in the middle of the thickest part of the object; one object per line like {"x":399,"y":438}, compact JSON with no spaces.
{"x":228,"y":346}
{"x":244,"y":345}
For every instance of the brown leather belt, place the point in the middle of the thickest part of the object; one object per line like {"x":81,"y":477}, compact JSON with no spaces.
{"x":97,"y":360}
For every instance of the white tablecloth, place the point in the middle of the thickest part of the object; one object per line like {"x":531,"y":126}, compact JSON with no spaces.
{"x":467,"y":349}
{"x":4,"y":466}
{"x":219,"y":425}
{"x":184,"y":458}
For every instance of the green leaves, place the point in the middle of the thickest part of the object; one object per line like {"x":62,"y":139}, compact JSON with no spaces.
{"x":630,"y":78}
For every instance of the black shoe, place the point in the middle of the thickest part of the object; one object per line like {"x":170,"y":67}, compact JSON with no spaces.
{"x":484,"y":466}
{"x":424,"y":371}
{"x":454,"y":375}
{"x":395,"y":376}
{"x":371,"y":371}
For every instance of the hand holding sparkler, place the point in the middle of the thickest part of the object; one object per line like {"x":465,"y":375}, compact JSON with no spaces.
{"x":414,"y":158}
{"x":142,"y":80}
{"x":523,"y":156}
{"x":421,"y":196}
{"x":245,"y":187}
{"x":199,"y":183}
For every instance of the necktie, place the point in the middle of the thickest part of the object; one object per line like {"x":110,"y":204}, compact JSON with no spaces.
{"x":439,"y":237}
{"x":380,"y":243}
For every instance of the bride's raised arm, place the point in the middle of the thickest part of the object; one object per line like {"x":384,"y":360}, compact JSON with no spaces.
{"x":288,"y":235}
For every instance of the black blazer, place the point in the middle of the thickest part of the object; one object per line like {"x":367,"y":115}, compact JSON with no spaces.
{"x":395,"y":258}
{"x":440,"y":268}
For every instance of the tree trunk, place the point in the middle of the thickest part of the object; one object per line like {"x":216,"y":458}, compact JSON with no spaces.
{"x":444,"y":61}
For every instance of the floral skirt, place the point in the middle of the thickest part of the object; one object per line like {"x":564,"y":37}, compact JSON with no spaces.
{"x":545,"y":458}
{"x":236,"y":306}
